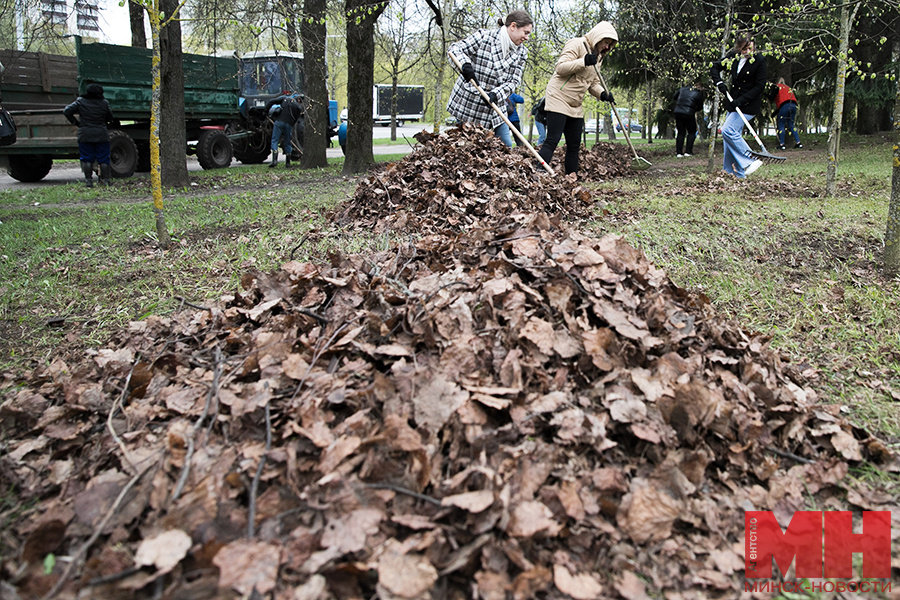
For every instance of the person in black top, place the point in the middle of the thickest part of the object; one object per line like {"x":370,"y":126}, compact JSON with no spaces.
{"x":748,"y":80}
{"x":688,"y":100}
{"x":285,"y":110}
{"x":93,"y":137}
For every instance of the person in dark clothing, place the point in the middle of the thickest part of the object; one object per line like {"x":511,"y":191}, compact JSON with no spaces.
{"x":285,"y":111}
{"x":93,"y":136}
{"x":748,"y":80}
{"x":786,"y":109}
{"x":513,"y":114}
{"x":688,"y":100}
{"x":540,"y":120}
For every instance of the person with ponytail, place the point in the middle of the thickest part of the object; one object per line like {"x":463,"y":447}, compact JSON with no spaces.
{"x":494,"y":59}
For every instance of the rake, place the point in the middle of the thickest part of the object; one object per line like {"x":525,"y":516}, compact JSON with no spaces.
{"x":763,"y":154}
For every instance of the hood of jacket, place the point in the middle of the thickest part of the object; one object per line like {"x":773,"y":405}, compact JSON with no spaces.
{"x":601,"y":30}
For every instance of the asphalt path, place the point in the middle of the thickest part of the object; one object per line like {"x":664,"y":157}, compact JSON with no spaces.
{"x":70,"y":171}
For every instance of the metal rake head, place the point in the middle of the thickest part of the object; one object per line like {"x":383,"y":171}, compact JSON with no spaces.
{"x":766,"y":157}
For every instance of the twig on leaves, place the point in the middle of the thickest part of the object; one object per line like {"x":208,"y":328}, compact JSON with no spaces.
{"x":402,"y":490}
{"x":213,"y":393}
{"x":566,"y":273}
{"x":320,"y":350}
{"x":112,"y":411}
{"x":78,"y":558}
{"x":254,"y":487}
{"x":184,"y":303}
{"x":783,"y":454}
{"x":300,"y":243}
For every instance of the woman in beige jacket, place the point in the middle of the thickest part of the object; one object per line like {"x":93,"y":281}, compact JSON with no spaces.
{"x":575,"y":74}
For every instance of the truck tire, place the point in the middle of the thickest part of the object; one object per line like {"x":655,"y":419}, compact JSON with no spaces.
{"x":143,"y":162}
{"x":29,"y":168}
{"x":123,"y":154}
{"x":214,"y":149}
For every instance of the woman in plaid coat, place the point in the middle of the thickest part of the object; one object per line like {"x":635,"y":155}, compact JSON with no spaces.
{"x":495,"y":59}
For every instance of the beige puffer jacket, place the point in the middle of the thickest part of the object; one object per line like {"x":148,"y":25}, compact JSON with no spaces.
{"x":571,"y":79}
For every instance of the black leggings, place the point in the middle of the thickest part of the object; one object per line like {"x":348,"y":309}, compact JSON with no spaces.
{"x":685,"y":124}
{"x":557,"y":125}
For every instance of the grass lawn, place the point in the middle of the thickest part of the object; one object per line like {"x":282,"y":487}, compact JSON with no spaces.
{"x":770,"y":251}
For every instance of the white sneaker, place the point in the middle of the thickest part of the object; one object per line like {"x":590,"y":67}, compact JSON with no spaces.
{"x":679,"y":156}
{"x":753,"y":167}
{"x":686,"y":155}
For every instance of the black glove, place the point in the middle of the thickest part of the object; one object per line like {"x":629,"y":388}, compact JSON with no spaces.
{"x":468,"y":73}
{"x":76,"y":123}
{"x":729,"y":105}
{"x":607,"y":97}
{"x":493,"y":98}
{"x":590,"y":59}
{"x":722,"y":87}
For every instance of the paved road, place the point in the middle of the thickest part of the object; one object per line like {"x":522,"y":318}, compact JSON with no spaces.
{"x":70,"y":171}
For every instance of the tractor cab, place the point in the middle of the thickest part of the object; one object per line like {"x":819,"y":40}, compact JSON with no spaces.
{"x":267,"y":74}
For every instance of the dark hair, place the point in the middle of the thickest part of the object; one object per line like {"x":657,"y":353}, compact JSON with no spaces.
{"x":519,"y":17}
{"x":742,"y":39}
{"x":95,"y":91}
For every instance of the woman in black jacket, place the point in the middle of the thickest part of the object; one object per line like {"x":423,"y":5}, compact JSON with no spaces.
{"x":748,"y":80}
{"x":688,"y":100}
{"x":93,"y":137}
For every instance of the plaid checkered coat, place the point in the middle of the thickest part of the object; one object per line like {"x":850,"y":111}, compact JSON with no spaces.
{"x":494,"y":72}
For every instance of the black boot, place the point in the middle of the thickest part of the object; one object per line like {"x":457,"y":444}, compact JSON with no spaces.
{"x":87,"y":169}
{"x":274,"y":159}
{"x":105,"y":175}
{"x":287,"y":160}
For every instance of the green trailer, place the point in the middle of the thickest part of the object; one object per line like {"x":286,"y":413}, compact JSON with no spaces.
{"x":219,"y":123}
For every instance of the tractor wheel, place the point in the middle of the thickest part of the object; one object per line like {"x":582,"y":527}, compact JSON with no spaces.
{"x":29,"y":168}
{"x":214,"y":149}
{"x":123,"y":154}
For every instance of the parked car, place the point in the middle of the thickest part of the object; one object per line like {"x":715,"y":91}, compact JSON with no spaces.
{"x":635,"y":127}
{"x":628,"y":116}
{"x":590,"y":126}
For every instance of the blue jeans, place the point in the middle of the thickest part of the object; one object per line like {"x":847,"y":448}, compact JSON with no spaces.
{"x":502,"y":132}
{"x":786,"y":115}
{"x":542,"y":132}
{"x":94,"y":151}
{"x":282,"y":132}
{"x":737,"y":152}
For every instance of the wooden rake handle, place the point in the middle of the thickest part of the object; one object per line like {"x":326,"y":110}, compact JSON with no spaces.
{"x":503,"y":116}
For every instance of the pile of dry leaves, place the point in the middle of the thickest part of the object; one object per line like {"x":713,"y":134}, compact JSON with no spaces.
{"x":516,"y":412}
{"x":467,"y":178}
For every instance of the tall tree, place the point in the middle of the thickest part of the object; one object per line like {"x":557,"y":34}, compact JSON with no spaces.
{"x":361,"y":17}
{"x":848,"y":15}
{"x":173,"y":137}
{"x":162,"y":231}
{"x":315,"y":137}
{"x":397,"y":42}
{"x":892,"y":235}
{"x":136,"y":19}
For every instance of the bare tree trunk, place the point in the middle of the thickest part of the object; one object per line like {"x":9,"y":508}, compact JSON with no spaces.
{"x":173,"y":138}
{"x":711,"y":166}
{"x":360,"y":17}
{"x":892,"y":235}
{"x":834,"y":131}
{"x":443,"y":22}
{"x":136,"y":17}
{"x":315,"y":137}
{"x":162,"y":232}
